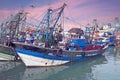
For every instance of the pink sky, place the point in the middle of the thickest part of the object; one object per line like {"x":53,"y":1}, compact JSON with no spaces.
{"x":80,"y":12}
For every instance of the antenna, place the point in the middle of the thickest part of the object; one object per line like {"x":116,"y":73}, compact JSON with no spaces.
{"x":49,"y":3}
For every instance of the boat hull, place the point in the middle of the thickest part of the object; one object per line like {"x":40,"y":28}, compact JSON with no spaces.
{"x":32,"y":61}
{"x":35,"y":56}
{"x":5,"y":57}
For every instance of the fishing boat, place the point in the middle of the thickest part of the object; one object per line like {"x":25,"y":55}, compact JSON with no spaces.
{"x":40,"y":56}
{"x":49,"y":52}
{"x":7,"y":53}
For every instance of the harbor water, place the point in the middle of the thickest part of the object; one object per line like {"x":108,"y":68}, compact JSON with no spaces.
{"x":104,"y":67}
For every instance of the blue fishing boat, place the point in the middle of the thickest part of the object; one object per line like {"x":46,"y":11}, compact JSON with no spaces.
{"x":51,"y":54}
{"x":48,"y":52}
{"x":40,"y":56}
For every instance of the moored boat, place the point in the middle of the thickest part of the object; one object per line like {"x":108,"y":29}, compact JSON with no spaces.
{"x":49,"y":31}
{"x":49,"y":52}
{"x":38,"y":56}
{"x":7,"y":53}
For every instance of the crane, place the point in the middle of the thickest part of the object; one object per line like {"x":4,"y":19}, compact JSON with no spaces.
{"x":49,"y":22}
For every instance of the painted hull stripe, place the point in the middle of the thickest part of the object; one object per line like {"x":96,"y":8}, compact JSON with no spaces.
{"x":36,"y":54}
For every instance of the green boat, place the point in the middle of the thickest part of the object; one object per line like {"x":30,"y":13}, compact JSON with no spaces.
{"x":7,"y":53}
{"x":8,"y":32}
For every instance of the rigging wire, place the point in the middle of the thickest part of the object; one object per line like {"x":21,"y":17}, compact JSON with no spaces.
{"x":72,"y":19}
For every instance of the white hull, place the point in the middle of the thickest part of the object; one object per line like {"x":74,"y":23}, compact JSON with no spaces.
{"x":37,"y":61}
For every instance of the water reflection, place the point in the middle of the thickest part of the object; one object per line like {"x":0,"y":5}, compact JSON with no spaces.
{"x":4,"y":66}
{"x":20,"y":72}
{"x":72,"y":71}
{"x":110,"y":70}
{"x":117,"y":53}
{"x":79,"y":70}
{"x":11,"y":70}
{"x":41,"y":73}
{"x":96,"y":68}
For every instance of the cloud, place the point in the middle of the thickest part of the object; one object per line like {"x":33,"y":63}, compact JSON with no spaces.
{"x":79,"y":12}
